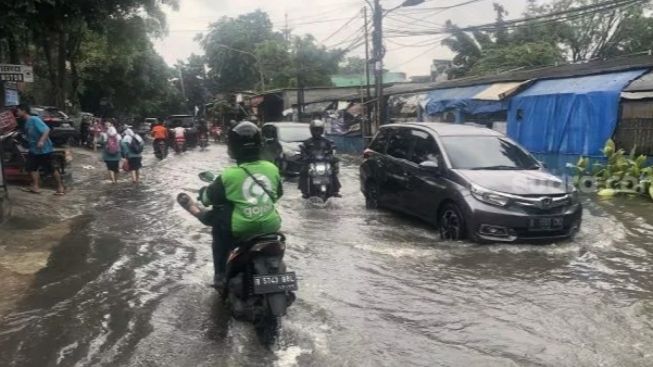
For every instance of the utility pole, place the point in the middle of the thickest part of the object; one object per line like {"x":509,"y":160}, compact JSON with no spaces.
{"x":181,"y":83}
{"x":300,"y":81}
{"x":378,"y":52}
{"x":367,"y":128}
{"x":286,"y":30}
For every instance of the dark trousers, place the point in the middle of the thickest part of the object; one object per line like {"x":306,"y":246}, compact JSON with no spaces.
{"x":221,"y":246}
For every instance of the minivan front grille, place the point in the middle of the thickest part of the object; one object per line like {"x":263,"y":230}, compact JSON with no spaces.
{"x":542,"y":203}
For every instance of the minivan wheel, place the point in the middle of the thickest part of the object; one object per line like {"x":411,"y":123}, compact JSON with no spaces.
{"x":452,"y":223}
{"x":371,"y":195}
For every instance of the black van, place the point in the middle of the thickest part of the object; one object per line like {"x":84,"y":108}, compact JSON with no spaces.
{"x":470,"y":182}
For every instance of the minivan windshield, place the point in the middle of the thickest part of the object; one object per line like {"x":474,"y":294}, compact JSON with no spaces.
{"x":294,"y":133}
{"x":486,"y":152}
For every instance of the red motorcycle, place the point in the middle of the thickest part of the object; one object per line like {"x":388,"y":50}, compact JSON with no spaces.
{"x":180,"y":145}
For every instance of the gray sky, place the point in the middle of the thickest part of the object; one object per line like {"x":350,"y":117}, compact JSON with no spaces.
{"x":322,"y":18}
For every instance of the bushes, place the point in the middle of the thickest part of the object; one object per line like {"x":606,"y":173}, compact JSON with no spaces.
{"x":619,"y":174}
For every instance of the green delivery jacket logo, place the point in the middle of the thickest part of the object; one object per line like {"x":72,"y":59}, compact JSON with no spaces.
{"x":260,"y":202}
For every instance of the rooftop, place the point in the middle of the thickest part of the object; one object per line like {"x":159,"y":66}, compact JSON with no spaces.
{"x":445,"y":129}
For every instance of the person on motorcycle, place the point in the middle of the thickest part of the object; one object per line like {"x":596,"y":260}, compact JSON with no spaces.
{"x":179,"y":134}
{"x":313,"y":147}
{"x":159,"y":133}
{"x":243,"y":198}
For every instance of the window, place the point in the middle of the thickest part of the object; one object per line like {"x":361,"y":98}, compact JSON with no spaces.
{"x":291,"y":134}
{"x":487,"y":153}
{"x":380,"y":141}
{"x":399,"y":144}
{"x":424,"y":148}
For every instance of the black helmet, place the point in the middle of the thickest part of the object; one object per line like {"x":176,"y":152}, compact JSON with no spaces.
{"x":244,"y":142}
{"x":317,"y":128}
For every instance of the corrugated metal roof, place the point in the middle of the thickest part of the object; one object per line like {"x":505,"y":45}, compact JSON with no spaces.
{"x":498,"y":91}
{"x":583,"y":84}
{"x":644,"y":83}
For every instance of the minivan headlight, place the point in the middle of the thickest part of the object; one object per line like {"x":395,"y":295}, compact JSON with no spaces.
{"x":489,"y":196}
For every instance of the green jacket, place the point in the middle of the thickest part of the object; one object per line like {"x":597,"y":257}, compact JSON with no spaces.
{"x":250,"y":210}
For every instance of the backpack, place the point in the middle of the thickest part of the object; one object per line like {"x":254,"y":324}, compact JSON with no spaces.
{"x":135,"y":146}
{"x":113,"y":146}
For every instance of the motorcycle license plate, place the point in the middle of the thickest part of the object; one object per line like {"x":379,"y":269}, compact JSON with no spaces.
{"x":275,"y":283}
{"x":546,"y":224}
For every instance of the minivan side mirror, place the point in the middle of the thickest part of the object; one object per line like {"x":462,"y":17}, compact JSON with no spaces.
{"x":432,"y":167}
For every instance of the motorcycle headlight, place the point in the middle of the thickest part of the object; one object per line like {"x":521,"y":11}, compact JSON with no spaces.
{"x":489,"y":196}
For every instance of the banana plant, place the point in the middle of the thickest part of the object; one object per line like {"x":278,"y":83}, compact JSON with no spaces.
{"x":621,"y":174}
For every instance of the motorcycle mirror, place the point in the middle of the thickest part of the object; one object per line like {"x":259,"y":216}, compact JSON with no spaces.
{"x":207,"y":176}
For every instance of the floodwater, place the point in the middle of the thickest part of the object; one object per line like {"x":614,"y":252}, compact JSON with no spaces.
{"x":127,"y":286}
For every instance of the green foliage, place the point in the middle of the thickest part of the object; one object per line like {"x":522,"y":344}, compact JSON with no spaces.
{"x":621,"y":174}
{"x":353,"y":65}
{"x":622,"y":30}
{"x":238,"y":50}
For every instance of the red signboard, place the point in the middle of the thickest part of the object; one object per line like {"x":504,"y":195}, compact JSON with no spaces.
{"x":7,"y":121}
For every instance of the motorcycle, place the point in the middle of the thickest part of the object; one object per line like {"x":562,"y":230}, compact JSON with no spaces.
{"x":216,"y":134}
{"x":319,"y":179}
{"x":259,"y":289}
{"x":180,"y":145}
{"x":14,"y":158}
{"x":204,"y":142}
{"x":160,"y":149}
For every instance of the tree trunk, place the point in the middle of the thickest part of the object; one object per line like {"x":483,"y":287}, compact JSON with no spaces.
{"x":61,"y":69}
{"x":74,"y":76}
{"x":13,"y":49}
{"x":52,"y":77}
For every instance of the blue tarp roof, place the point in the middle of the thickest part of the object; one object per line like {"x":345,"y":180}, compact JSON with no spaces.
{"x":570,"y":115}
{"x":461,"y":99}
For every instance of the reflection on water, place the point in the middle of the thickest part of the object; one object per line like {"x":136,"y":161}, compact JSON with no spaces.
{"x":128,"y":287}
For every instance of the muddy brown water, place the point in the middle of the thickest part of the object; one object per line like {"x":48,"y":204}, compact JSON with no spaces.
{"x":126,"y":286}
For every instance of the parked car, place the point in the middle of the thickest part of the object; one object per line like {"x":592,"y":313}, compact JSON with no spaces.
{"x":281,"y":144}
{"x":62,"y":130}
{"x":470,"y":182}
{"x":186,"y":121}
{"x":145,"y":127}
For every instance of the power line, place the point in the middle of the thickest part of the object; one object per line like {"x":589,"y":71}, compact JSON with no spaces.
{"x":554,"y":17}
{"x":356,"y":16}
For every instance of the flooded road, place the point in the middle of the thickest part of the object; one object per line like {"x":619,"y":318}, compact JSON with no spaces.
{"x":127,"y":286}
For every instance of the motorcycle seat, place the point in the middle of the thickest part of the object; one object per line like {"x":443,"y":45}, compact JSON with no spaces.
{"x":259,"y":238}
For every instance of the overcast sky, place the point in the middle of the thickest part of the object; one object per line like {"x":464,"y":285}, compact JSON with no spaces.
{"x":322,"y":18}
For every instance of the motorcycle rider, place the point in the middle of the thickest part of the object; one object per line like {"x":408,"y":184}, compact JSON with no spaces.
{"x":159,"y":133}
{"x":243,"y":198}
{"x":179,"y":134}
{"x":318,"y":145}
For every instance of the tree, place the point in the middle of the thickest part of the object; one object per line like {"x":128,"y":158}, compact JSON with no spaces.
{"x":516,"y":56}
{"x":467,"y":49}
{"x":56,"y":29}
{"x":595,"y":34}
{"x":229,"y":47}
{"x":238,"y":50}
{"x":121,"y":74}
{"x":353,"y":65}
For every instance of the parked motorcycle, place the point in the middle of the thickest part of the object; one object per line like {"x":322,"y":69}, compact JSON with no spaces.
{"x":160,"y":149}
{"x":319,"y":179}
{"x":259,"y":289}
{"x":14,"y":158}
